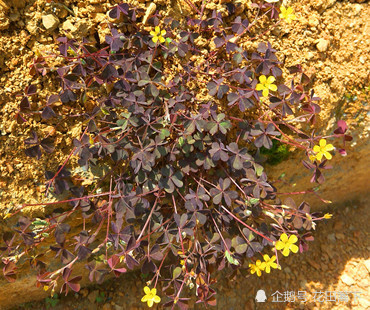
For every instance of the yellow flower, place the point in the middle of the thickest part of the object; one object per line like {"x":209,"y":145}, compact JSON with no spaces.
{"x":328,"y":216}
{"x":287,"y":14}
{"x":257,"y":268}
{"x":270,"y":262}
{"x":158,"y":35}
{"x":286,"y":244}
{"x":321,"y":150}
{"x":150,"y":296}
{"x":266,"y":84}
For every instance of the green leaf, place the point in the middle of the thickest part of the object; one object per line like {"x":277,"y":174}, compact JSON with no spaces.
{"x":259,"y":169}
{"x":238,"y":58}
{"x":164,"y":133}
{"x":122,"y":123}
{"x":224,"y":126}
{"x":176,"y":272}
{"x":241,"y":248}
{"x":181,"y":141}
{"x":157,"y":65}
{"x":231,"y":259}
{"x":105,"y":111}
{"x":40,"y":223}
{"x":143,"y":82}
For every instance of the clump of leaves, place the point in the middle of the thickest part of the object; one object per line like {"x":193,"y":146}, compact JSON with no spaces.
{"x":52,"y":301}
{"x":278,"y":153}
{"x":185,"y":193}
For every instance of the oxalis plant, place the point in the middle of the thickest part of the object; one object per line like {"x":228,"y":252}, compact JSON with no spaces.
{"x":173,"y":133}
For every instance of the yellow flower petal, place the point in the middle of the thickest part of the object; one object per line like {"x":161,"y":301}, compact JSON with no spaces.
{"x":157,"y":30}
{"x":279,"y":245}
{"x":146,"y":290}
{"x":322,"y":142}
{"x":157,"y":299}
{"x":271,"y":79}
{"x":316,"y":149}
{"x":329,"y":147}
{"x":145,"y":298}
{"x":273,"y":265}
{"x":152,"y":33}
{"x":150,"y":303}
{"x":312,"y":157}
{"x":266,"y":257}
{"x":284,"y":237}
{"x":289,"y":10}
{"x":259,"y":87}
{"x":293,"y":239}
{"x":319,"y":156}
{"x":262,"y":79}
{"x":265,"y":92}
{"x":273,"y":258}
{"x":328,"y":155}
{"x":286,"y":252}
{"x":161,"y":39}
{"x":283,"y":9}
{"x":153,"y":291}
{"x":293,"y":248}
{"x":155,"y":39}
{"x":267,"y":270}
{"x":259,"y":272}
{"x":163,"y":32}
{"x":273,"y":87}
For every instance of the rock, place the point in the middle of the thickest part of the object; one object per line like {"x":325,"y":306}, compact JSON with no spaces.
{"x":322,"y":45}
{"x":50,"y":21}
{"x":314,"y":264}
{"x":323,"y":5}
{"x":365,"y":304}
{"x":84,"y":292}
{"x":4,"y":5}
{"x":99,"y":17}
{"x":107,"y":307}
{"x":340,"y":236}
{"x":92,"y":296}
{"x":347,"y":280}
{"x":331,"y":237}
{"x":4,"y":21}
{"x":68,"y":26}
{"x":367,"y":265}
{"x":313,"y":21}
{"x":14,"y":16}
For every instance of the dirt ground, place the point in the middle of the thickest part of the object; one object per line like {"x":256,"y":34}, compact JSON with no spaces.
{"x":330,"y":39}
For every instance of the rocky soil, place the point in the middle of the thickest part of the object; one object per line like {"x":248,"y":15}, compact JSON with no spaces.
{"x":330,"y":39}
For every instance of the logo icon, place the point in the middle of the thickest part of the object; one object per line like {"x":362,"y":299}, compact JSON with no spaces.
{"x":261,"y":296}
